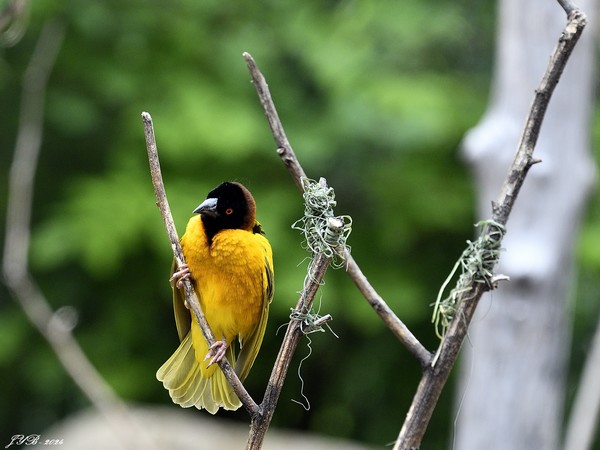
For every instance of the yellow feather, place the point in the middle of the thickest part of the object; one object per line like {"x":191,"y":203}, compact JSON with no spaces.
{"x":233,"y":278}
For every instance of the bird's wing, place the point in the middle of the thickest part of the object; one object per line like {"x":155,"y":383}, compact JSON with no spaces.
{"x":183,"y":319}
{"x":250,"y":345}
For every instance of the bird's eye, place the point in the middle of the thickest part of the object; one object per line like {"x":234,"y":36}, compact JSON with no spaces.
{"x":229,"y":211}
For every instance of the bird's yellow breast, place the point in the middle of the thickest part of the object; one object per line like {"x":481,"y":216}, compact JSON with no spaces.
{"x":228,"y":276}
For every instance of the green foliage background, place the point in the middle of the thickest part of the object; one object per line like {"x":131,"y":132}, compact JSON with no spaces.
{"x":375,"y":96}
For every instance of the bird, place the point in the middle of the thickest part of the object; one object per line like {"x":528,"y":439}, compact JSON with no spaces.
{"x":230,"y":264}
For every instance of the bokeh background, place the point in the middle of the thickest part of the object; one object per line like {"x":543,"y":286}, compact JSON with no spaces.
{"x":375,"y":97}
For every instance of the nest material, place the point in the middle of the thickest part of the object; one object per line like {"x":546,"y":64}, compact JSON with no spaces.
{"x":323,"y":231}
{"x":477,"y":265}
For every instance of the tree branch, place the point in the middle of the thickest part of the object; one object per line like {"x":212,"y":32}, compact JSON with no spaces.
{"x":55,"y":327}
{"x":436,"y":375}
{"x":524,"y":156}
{"x":284,"y":149}
{"x":190,"y":294}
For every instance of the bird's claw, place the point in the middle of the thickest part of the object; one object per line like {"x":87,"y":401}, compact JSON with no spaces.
{"x":183,"y":273}
{"x":216,"y":352}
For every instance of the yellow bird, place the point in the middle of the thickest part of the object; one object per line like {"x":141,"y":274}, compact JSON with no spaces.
{"x":230,"y":263}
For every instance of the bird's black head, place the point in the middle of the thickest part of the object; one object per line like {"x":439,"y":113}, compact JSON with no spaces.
{"x":228,"y":206}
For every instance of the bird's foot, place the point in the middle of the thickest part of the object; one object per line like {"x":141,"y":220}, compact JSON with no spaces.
{"x":216,"y":352}
{"x":183,"y":273}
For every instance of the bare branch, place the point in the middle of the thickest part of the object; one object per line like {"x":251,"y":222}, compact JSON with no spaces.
{"x":27,"y":148}
{"x":53,"y":326}
{"x":284,"y":149}
{"x":524,"y":156}
{"x":190,"y":294}
{"x":435,"y":376}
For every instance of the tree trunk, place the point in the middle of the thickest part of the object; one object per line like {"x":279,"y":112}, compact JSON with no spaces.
{"x":513,"y":373}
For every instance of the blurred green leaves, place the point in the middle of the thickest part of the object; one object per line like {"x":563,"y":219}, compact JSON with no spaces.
{"x":218,"y":125}
{"x":105,"y":219}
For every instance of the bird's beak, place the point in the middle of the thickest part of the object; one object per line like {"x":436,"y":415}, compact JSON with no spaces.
{"x":207,"y":207}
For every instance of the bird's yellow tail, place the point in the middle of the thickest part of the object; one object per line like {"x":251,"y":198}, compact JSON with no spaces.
{"x":189,"y":385}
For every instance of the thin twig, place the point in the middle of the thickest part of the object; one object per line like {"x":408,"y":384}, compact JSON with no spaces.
{"x":51,"y":325}
{"x":524,"y":156}
{"x":435,"y":376}
{"x":285,"y":151}
{"x":190,"y":294}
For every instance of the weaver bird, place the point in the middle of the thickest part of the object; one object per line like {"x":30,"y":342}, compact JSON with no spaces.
{"x":230,"y":264}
